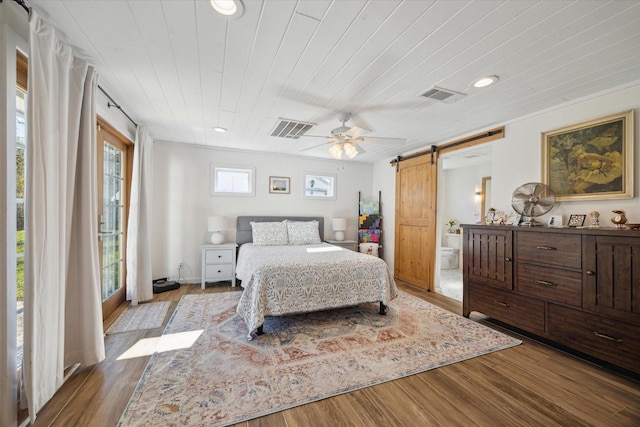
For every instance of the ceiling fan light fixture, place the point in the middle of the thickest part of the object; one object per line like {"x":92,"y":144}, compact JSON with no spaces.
{"x":485,"y":81}
{"x":350,"y":150}
{"x":336,"y":151}
{"x":228,"y":7}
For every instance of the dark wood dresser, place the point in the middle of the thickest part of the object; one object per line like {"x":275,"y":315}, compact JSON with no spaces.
{"x":578,"y":287}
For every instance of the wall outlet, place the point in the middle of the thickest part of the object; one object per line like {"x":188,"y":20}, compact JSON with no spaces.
{"x":180,"y":265}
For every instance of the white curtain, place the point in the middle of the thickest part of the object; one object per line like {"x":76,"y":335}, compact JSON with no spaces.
{"x":63,"y":305}
{"x":139,"y":286}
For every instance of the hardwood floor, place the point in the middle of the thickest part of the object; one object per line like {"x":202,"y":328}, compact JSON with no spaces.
{"x":528,"y":385}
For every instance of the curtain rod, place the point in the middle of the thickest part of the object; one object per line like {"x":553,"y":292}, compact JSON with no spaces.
{"x":112,"y":102}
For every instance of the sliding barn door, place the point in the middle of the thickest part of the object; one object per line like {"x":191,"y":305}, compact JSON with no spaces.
{"x":415,"y":245}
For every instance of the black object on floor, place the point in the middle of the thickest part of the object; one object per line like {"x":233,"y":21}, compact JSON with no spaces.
{"x":162,"y":285}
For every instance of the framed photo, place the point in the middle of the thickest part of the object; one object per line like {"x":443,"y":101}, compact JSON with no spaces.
{"x":279,"y":184}
{"x":555,"y":221}
{"x":319,"y":186}
{"x":576,"y":220}
{"x":591,"y":160}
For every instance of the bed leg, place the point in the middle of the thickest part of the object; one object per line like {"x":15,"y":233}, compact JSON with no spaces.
{"x":383,"y":308}
{"x":260,"y":330}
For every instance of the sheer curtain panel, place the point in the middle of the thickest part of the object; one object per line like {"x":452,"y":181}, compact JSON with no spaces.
{"x":139,"y":281}
{"x":63,"y":307}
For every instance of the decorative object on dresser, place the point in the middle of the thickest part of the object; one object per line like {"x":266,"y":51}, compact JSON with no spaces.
{"x":216,"y":225}
{"x":555,"y":221}
{"x":339,"y":225}
{"x":620,"y":219}
{"x":218,"y":263}
{"x":576,"y":220}
{"x":531,"y":200}
{"x":578,"y":287}
{"x":591,"y":160}
{"x":594,"y":219}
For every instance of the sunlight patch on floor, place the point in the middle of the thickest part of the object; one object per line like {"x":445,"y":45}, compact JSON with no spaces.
{"x":148,"y":346}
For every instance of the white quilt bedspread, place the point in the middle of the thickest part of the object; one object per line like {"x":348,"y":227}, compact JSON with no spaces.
{"x":280,"y":280}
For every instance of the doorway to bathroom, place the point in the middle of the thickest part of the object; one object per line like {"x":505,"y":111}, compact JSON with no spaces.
{"x":461,"y":197}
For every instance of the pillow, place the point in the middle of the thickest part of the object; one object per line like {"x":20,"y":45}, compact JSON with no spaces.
{"x":269,"y":233}
{"x":303,"y":232}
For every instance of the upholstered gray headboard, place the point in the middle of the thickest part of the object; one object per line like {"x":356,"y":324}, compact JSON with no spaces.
{"x":243,"y":225}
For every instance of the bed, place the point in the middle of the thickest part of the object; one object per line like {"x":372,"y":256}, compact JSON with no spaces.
{"x":301,"y":274}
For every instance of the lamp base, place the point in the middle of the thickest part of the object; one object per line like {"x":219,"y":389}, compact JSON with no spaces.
{"x":217,"y":238}
{"x":339,"y":235}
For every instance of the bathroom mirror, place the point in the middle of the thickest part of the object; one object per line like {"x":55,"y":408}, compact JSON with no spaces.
{"x":486,"y":196}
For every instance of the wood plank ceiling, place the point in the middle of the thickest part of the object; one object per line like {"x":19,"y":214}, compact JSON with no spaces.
{"x":182,"y":69}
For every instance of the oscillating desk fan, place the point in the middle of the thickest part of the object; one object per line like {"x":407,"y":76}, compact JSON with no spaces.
{"x":531,"y":200}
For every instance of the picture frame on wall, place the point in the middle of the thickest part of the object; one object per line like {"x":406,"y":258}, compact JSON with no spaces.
{"x":576,"y":220}
{"x":279,"y":184}
{"x":591,"y":160}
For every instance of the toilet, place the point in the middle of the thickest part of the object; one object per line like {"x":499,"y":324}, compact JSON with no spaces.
{"x":449,"y":253}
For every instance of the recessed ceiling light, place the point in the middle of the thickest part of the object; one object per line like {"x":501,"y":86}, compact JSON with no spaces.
{"x":485,"y":81}
{"x":219,"y":129}
{"x":228,"y":7}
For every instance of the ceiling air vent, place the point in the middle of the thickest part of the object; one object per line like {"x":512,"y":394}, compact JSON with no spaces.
{"x":443,"y":95}
{"x":291,"y":129}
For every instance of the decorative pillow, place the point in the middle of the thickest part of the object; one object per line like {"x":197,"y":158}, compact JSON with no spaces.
{"x":269,"y":233}
{"x":303,"y":232}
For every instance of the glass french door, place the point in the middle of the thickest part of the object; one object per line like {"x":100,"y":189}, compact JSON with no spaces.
{"x":113,"y":186}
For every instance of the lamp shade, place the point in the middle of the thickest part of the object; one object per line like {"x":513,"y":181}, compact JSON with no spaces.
{"x":339,"y":225}
{"x":216,"y":223}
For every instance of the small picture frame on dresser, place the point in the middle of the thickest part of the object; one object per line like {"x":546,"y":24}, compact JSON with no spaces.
{"x":576,"y":220}
{"x":555,"y":221}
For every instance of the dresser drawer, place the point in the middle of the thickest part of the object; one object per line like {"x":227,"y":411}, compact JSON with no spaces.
{"x":604,"y":338}
{"x":551,"y":284}
{"x":220,"y":272}
{"x":519,"y":311}
{"x":218,"y":256}
{"x":561,"y":250}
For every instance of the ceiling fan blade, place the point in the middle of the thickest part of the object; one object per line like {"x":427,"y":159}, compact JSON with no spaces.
{"x":356,"y":131}
{"x":384,"y":140}
{"x":359,"y":148}
{"x":316,"y":146}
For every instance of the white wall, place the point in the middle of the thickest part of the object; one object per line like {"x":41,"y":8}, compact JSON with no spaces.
{"x":523,"y":142}
{"x":182,"y":203}
{"x":456,"y":194}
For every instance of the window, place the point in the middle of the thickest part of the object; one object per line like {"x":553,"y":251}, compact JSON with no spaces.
{"x":232,"y":180}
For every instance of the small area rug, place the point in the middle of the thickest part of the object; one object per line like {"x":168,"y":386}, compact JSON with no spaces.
{"x":139,"y":317}
{"x":224,"y":379}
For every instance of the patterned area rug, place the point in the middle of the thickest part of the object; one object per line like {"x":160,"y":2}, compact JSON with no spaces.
{"x":224,"y":379}
{"x":141,"y":316}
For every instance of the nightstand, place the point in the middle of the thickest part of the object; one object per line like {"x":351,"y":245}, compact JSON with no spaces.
{"x":218,"y":263}
{"x":352,"y":245}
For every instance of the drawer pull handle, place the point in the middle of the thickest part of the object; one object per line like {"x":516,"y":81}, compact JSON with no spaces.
{"x":546,"y":248}
{"x":504,"y":304}
{"x":507,"y":259}
{"x":219,"y":271}
{"x":545,"y":283}
{"x":607,"y":337}
{"x":591,"y":273}
{"x":219,"y":256}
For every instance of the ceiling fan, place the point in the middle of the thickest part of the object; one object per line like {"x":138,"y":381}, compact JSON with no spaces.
{"x":344,"y":140}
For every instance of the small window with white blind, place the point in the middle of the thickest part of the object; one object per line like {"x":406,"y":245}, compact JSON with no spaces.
{"x":232,"y":180}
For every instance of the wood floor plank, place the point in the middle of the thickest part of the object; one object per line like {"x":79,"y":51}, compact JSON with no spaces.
{"x":530,"y":384}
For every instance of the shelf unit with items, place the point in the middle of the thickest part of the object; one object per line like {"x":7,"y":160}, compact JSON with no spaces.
{"x":370,"y":226}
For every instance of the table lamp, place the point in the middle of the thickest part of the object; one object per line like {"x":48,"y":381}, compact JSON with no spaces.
{"x":217,"y":226}
{"x":339,"y":225}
